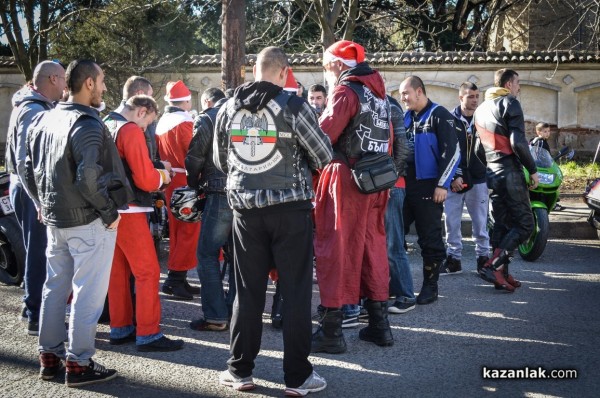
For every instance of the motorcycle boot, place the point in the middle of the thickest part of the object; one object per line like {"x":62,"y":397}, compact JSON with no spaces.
{"x":509,"y":278}
{"x":494,"y":269}
{"x":378,"y":331}
{"x":429,"y":291}
{"x":329,"y":337}
{"x":175,"y":285}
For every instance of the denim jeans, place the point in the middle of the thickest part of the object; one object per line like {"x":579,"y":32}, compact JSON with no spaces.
{"x":35,"y":241}
{"x":351,"y":310}
{"x":401,"y":283}
{"x":217,"y":220}
{"x":79,"y":260}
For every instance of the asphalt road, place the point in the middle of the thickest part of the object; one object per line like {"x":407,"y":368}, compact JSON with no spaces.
{"x":440,"y":349}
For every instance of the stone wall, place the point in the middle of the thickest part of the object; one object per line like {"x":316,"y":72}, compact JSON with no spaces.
{"x":565,"y":95}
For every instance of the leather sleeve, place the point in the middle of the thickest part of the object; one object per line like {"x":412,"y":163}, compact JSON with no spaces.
{"x":221,"y":139}
{"x":199,"y":149}
{"x":87,"y":142}
{"x":515,"y":123}
{"x":400,"y":146}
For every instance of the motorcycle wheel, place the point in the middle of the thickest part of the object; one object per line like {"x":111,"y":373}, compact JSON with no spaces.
{"x":533,"y":248}
{"x":12,"y":251}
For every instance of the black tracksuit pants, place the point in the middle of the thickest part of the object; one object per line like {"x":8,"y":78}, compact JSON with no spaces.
{"x":427,"y":216}
{"x":263,"y":239}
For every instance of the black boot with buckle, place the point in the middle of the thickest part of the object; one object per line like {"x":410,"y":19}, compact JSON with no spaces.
{"x":329,"y":337}
{"x":378,"y":331}
{"x":175,"y":286}
{"x":431,"y":274}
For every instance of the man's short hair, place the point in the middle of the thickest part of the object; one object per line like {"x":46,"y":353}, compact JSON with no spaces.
{"x":316,"y":88}
{"x":467,"y":86}
{"x":415,"y":82}
{"x":503,"y":76}
{"x":135,"y":84}
{"x":78,"y":72}
{"x":44,"y":70}
{"x":271,"y":58}
{"x":212,"y":94}
{"x":229,"y":93}
{"x":540,"y":126}
{"x":142,"y":101}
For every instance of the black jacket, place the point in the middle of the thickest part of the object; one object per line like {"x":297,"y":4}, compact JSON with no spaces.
{"x":73,"y":168}
{"x":501,"y":129}
{"x":468,"y":158}
{"x":199,"y":164}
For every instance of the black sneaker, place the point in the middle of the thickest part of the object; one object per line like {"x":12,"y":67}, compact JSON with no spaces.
{"x":23,"y":317}
{"x":349,"y":321}
{"x":163,"y":344}
{"x":33,"y":328}
{"x":481,"y":260}
{"x":401,"y":307}
{"x":78,"y":375}
{"x":450,"y":266}
{"x":50,"y":365}
{"x":130,"y":338}
{"x":363,"y":317}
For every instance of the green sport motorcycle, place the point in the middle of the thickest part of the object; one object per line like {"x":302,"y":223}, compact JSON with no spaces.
{"x":543,"y":198}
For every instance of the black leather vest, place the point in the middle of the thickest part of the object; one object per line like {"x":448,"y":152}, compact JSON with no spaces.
{"x":114,"y":121}
{"x":369,"y":129}
{"x":263,"y":151}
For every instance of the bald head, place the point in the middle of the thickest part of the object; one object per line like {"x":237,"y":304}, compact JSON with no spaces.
{"x":272,"y":66}
{"x":49,"y":79}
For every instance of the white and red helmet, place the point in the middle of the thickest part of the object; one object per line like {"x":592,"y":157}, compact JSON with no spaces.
{"x":187,"y":204}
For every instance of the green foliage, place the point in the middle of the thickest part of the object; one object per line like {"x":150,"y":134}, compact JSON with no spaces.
{"x":130,"y":37}
{"x":572,"y":169}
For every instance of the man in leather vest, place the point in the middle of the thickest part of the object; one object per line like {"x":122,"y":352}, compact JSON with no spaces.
{"x":468,"y":188}
{"x":74,"y":171}
{"x":134,"y":252}
{"x":433,"y":157}
{"x":350,"y":246}
{"x":268,"y":142}
{"x":48,"y":85}
{"x":501,"y":129}
{"x":217,"y":217}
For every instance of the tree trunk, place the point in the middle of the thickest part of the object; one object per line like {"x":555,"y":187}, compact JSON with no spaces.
{"x":233,"y":40}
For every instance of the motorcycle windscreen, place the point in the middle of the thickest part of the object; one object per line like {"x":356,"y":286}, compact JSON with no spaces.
{"x":541,"y":156}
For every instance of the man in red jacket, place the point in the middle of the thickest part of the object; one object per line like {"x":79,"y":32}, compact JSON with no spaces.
{"x":350,"y":244}
{"x":173,"y":137}
{"x":134,"y":251}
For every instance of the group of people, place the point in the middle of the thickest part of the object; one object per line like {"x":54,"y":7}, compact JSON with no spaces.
{"x":277,"y":172}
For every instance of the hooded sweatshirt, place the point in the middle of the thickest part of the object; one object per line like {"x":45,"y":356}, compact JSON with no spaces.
{"x":27,"y":104}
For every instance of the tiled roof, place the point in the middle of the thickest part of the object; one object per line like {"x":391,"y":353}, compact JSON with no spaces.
{"x":7,"y":61}
{"x":419,"y":58}
{"x":413,"y":58}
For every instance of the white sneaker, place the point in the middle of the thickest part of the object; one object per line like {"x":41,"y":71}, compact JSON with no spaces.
{"x":314,"y":383}
{"x":228,"y":379}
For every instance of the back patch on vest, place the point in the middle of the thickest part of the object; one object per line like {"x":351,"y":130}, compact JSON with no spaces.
{"x":253,"y":139}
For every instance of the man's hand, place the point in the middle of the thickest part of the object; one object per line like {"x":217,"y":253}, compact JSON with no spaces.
{"x":439,"y":195}
{"x":115,"y":223}
{"x":534,"y":181}
{"x":457,"y":184}
{"x":167,"y":166}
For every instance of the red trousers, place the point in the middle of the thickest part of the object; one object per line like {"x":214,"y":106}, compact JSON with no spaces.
{"x":183,"y":236}
{"x":350,"y":244}
{"x":135,"y":254}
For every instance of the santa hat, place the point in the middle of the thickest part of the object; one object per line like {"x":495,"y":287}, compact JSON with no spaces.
{"x":177,"y":91}
{"x":348,"y":52}
{"x":290,"y":83}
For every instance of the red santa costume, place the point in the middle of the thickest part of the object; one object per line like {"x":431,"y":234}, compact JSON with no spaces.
{"x":134,"y":250}
{"x":173,"y":136}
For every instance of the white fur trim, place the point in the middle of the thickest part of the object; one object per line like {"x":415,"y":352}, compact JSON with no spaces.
{"x":329,"y":57}
{"x":171,"y":120}
{"x":189,"y":97}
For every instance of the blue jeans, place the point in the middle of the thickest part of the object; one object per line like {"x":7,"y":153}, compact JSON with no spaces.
{"x":35,"y":241}
{"x":217,"y":220}
{"x":79,"y":260}
{"x":401,"y":283}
